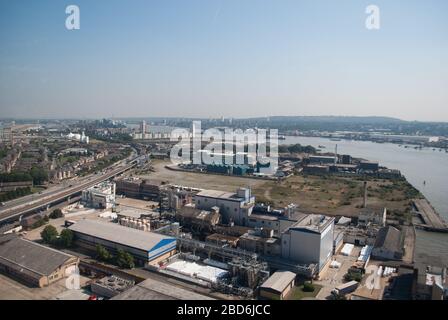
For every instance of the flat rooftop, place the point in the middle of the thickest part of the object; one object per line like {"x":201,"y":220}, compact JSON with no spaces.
{"x":313,"y":222}
{"x":262,"y":216}
{"x":151,"y":289}
{"x":116,"y":233}
{"x":218,"y":194}
{"x":279,"y":281}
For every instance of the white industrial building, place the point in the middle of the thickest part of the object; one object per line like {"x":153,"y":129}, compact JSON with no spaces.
{"x":101,"y":196}
{"x":195,"y":270}
{"x":234,"y":207}
{"x":309,"y":241}
{"x":78,"y":137}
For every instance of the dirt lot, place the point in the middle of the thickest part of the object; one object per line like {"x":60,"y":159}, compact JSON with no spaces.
{"x":199,"y":180}
{"x":330,"y":195}
{"x":335,"y":195}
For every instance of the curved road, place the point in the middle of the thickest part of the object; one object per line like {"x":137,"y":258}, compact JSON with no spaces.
{"x":16,"y":208}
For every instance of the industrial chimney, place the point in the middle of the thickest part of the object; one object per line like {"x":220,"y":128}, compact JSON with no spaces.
{"x":364,"y":205}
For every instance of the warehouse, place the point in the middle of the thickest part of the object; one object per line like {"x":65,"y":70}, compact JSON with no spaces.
{"x":32,"y":263}
{"x":140,"y":189}
{"x":278,"y":286}
{"x":388,"y":244}
{"x":146,"y":247}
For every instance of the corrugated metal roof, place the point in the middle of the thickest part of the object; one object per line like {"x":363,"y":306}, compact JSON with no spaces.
{"x":389,"y":238}
{"x":151,"y":289}
{"x":116,"y":233}
{"x":217,"y":194}
{"x":279,"y":281}
{"x":35,"y":258}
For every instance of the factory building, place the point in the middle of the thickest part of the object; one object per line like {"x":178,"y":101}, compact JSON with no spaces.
{"x":101,"y":196}
{"x":222,"y":240}
{"x":34,"y":264}
{"x":316,"y":169}
{"x":369,"y":166}
{"x":129,"y":187}
{"x":277,"y":286}
{"x":346,"y":159}
{"x":371,"y":216}
{"x":233,"y":207}
{"x":260,"y":241}
{"x":198,"y":220}
{"x":322,"y":160}
{"x":264,"y":221}
{"x":78,"y":137}
{"x":140,"y":189}
{"x":388,"y":244}
{"x":146,"y":247}
{"x":310,"y":240}
{"x":431,"y":282}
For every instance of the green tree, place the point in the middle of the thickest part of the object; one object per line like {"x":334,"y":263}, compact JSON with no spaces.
{"x":102,"y":254}
{"x":337,"y":296}
{"x":308,"y":287}
{"x":125,"y":260}
{"x":39,"y":175}
{"x":57,"y":213}
{"x":350,"y":276}
{"x":49,"y":234}
{"x":66,"y":238}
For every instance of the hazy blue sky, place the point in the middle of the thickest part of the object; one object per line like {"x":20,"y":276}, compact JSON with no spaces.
{"x":213,"y":58}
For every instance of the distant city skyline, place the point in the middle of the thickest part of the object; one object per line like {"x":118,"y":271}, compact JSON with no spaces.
{"x":224,"y":58}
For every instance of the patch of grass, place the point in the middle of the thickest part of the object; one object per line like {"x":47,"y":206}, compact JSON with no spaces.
{"x":298,"y":293}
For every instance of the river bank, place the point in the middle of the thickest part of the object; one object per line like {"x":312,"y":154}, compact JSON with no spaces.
{"x":424,"y":168}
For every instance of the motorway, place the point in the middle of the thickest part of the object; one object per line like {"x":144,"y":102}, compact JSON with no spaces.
{"x":14,"y":209}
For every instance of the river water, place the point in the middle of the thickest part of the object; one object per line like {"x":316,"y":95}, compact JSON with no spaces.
{"x":417,"y":166}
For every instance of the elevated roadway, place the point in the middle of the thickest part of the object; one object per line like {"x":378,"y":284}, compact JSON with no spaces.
{"x":12,"y":211}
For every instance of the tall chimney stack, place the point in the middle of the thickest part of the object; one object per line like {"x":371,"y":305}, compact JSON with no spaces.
{"x":364,"y":205}
{"x":336,"y":154}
